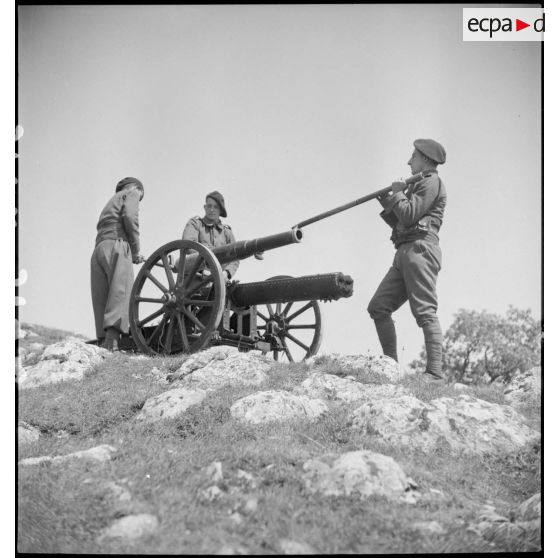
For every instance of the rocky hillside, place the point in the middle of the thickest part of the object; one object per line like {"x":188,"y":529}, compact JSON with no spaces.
{"x":231,"y":453}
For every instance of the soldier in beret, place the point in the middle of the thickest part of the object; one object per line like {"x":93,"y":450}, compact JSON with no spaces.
{"x":415,"y":214}
{"x":210,"y":231}
{"x":117,"y":247}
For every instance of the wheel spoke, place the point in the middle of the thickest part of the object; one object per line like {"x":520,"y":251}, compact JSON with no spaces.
{"x":191,"y":275}
{"x":168,"y":339}
{"x":289,"y":356}
{"x":275,"y":355}
{"x":193,"y":318}
{"x":299,"y":312}
{"x":300,"y":326}
{"x":265,"y":318}
{"x":159,"y":328}
{"x":147,"y":299}
{"x":269,"y":309}
{"x":183,"y":334}
{"x":278,"y":308}
{"x":287,"y":308}
{"x":151,"y":316}
{"x":295,"y":340}
{"x":157,"y":282}
{"x":168,"y":271}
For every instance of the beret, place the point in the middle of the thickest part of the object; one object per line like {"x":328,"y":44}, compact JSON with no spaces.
{"x":432,"y":149}
{"x":218,"y":197}
{"x":128,"y":180}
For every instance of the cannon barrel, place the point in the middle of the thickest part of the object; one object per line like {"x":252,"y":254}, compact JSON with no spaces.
{"x":327,"y":286}
{"x":246,"y":248}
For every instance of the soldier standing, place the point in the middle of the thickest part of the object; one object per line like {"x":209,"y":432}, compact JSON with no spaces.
{"x":210,"y":231}
{"x":116,"y":248}
{"x":415,"y":217}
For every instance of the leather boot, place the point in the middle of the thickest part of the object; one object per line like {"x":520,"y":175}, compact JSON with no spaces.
{"x":388,"y":339}
{"x":433,"y":344}
{"x":112,"y":337}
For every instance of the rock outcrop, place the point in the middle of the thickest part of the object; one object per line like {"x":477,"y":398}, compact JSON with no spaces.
{"x":238,"y":369}
{"x":464,"y":423}
{"x":67,"y":360}
{"x":27,"y":434}
{"x":131,"y":527}
{"x":524,"y":387}
{"x":346,"y":390}
{"x":374,"y":364}
{"x":170,"y":404}
{"x":98,"y":453}
{"x":362,"y":472}
{"x":267,"y":406}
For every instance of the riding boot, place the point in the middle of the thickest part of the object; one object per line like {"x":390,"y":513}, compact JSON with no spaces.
{"x":388,"y":339}
{"x":433,"y":344}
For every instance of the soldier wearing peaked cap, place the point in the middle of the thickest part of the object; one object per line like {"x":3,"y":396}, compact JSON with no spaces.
{"x":415,"y":216}
{"x":117,"y":247}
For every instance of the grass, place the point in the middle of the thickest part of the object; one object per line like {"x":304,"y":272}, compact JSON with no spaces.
{"x":63,"y":508}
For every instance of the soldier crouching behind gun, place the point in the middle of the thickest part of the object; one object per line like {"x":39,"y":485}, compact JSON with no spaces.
{"x":415,"y":217}
{"x":116,"y":249}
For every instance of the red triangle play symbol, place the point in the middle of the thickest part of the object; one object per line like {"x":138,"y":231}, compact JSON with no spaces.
{"x":519,"y":25}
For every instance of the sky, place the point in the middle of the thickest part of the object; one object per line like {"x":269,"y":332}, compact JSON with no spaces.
{"x":288,"y":111}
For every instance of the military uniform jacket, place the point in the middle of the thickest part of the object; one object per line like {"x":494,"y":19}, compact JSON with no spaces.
{"x":419,"y":213}
{"x":120,"y":219}
{"x":212,"y":236}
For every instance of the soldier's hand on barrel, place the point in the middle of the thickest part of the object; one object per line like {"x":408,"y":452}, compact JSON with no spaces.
{"x":259,"y":255}
{"x":138,"y":259}
{"x":398,"y":186}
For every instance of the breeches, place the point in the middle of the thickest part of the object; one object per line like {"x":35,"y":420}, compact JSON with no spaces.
{"x":112,"y":277}
{"x":411,"y":277}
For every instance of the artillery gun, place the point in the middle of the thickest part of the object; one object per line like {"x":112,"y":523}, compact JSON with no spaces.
{"x":181,"y":303}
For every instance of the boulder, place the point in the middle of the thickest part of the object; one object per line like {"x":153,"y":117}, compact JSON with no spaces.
{"x":361,"y":472}
{"x":98,"y":453}
{"x":524,"y":387}
{"x":530,"y":509}
{"x":374,"y":364}
{"x":346,"y":390}
{"x":117,"y":492}
{"x":66,"y":360}
{"x":201,"y":360}
{"x":460,"y":387}
{"x":26,"y":434}
{"x":266,"y":406}
{"x":432,"y":527}
{"x":464,"y":423}
{"x":288,"y":546}
{"x":170,"y":404}
{"x":131,"y":527}
{"x":236,"y":369}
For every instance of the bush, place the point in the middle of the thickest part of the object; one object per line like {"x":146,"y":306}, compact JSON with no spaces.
{"x":480,"y":347}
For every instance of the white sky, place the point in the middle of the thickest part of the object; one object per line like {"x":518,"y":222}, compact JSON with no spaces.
{"x":288,"y":111}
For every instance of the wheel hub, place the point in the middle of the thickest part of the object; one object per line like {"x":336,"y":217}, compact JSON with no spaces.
{"x":276,"y":325}
{"x":169,"y":299}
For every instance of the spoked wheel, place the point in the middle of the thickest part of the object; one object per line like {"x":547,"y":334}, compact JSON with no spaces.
{"x":293,"y":328}
{"x":177,"y":299}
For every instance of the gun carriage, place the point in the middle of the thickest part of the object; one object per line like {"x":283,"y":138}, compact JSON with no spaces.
{"x":180,"y":302}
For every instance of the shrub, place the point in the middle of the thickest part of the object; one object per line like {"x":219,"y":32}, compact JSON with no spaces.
{"x":480,"y":347}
